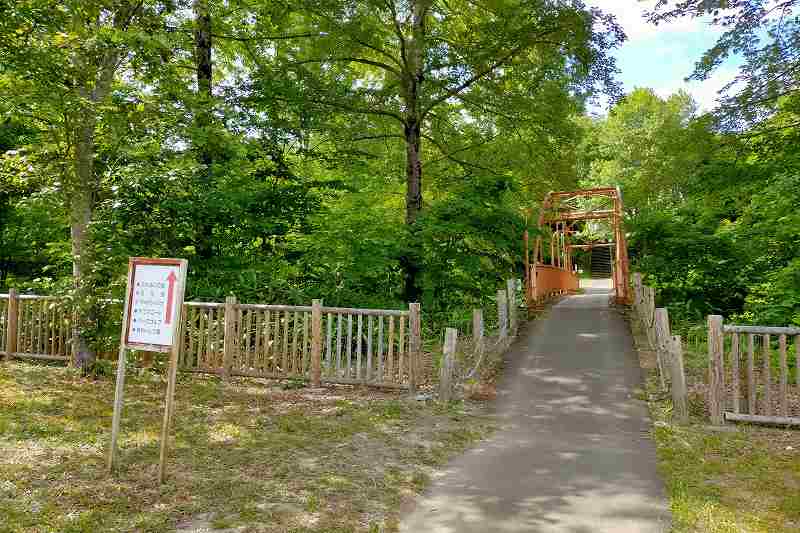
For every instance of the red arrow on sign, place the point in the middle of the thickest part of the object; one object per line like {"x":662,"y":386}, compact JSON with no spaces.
{"x":170,"y":296}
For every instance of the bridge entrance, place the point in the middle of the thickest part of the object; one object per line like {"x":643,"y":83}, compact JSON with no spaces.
{"x":550,"y":265}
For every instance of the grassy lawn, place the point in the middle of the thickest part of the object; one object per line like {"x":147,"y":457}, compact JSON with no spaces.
{"x":246,"y":455}
{"x":743,"y":480}
{"x":738,"y":479}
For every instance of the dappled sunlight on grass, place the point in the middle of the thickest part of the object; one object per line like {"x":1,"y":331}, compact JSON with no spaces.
{"x":243,"y":453}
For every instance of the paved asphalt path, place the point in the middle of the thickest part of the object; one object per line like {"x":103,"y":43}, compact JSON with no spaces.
{"x":572,"y":454}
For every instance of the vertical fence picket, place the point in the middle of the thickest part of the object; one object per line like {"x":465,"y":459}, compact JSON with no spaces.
{"x":751,"y":375}
{"x":328,"y":342}
{"x":349,"y":346}
{"x":767,"y":365}
{"x":390,"y":353}
{"x":379,"y":377}
{"x":304,"y":365}
{"x":369,"y":349}
{"x":296,"y":362}
{"x":288,"y":356}
{"x":401,"y":350}
{"x":735,"y":371}
{"x":359,"y":346}
{"x":339,"y":345}
{"x":784,"y":384}
{"x":797,"y":360}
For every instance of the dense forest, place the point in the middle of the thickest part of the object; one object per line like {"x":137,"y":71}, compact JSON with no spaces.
{"x":373,"y":152}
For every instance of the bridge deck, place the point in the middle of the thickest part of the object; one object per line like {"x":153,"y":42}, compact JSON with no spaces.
{"x":573,"y":452}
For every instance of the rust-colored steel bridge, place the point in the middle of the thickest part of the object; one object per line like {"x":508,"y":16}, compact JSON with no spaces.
{"x":560,"y":213}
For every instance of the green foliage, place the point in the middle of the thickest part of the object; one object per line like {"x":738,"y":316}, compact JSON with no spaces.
{"x":695,"y":270}
{"x":470,"y":245}
{"x":725,"y":241}
{"x":287,"y":179}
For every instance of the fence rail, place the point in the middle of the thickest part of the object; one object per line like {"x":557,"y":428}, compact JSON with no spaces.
{"x":378,"y":347}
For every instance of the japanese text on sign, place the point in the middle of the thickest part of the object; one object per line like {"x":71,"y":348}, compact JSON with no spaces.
{"x":152,"y":309}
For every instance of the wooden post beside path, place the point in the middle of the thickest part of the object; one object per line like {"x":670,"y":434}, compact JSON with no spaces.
{"x":13,"y":318}
{"x":678,"y":377}
{"x":448,"y":365}
{"x":502,"y":316}
{"x":316,"y":343}
{"x":662,"y":343}
{"x":716,"y":383}
{"x":511,"y":289}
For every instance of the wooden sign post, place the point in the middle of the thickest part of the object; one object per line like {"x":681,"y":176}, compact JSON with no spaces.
{"x":151,"y":322}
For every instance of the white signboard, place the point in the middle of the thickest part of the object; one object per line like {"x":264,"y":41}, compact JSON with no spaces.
{"x":150,"y":322}
{"x":155,"y":293}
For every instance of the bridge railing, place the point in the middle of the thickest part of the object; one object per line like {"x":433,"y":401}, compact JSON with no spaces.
{"x":547,"y":281}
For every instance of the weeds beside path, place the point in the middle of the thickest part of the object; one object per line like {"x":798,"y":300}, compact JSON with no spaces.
{"x":247,"y":455}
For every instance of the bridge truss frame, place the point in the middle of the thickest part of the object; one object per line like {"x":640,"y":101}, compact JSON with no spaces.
{"x":560,"y":211}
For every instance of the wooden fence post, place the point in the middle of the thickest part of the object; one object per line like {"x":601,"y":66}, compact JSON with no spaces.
{"x":316,"y":343}
{"x":637,"y":293}
{"x":448,"y":365}
{"x":229,"y":336}
{"x":716,"y":392}
{"x":502,"y":316}
{"x":13,"y":315}
{"x":679,"y":403}
{"x":477,"y":331}
{"x":662,"y":338}
{"x":649,"y":314}
{"x":511,"y":289}
{"x":414,"y":346}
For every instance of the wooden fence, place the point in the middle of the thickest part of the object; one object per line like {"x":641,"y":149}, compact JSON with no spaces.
{"x":462,"y":360}
{"x":34,"y":327}
{"x":668,"y":348}
{"x":746,"y":381}
{"x":321,"y":344}
{"x":749,"y":377}
{"x":316,"y":343}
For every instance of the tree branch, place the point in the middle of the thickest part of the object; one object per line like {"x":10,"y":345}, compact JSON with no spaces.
{"x":361,"y":60}
{"x":480,"y":75}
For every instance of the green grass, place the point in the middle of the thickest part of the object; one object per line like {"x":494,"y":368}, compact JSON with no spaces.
{"x":744,"y":480}
{"x":243,"y":454}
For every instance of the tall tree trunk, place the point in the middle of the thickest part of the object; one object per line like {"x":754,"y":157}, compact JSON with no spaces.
{"x":203,"y":116}
{"x":81,"y":203}
{"x":81,"y":209}
{"x":412,"y":132}
{"x":413,"y":169}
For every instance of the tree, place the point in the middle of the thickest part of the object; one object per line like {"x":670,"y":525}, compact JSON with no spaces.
{"x":648,"y":146}
{"x":407,"y":70}
{"x":765,"y":33}
{"x":60,"y":61}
